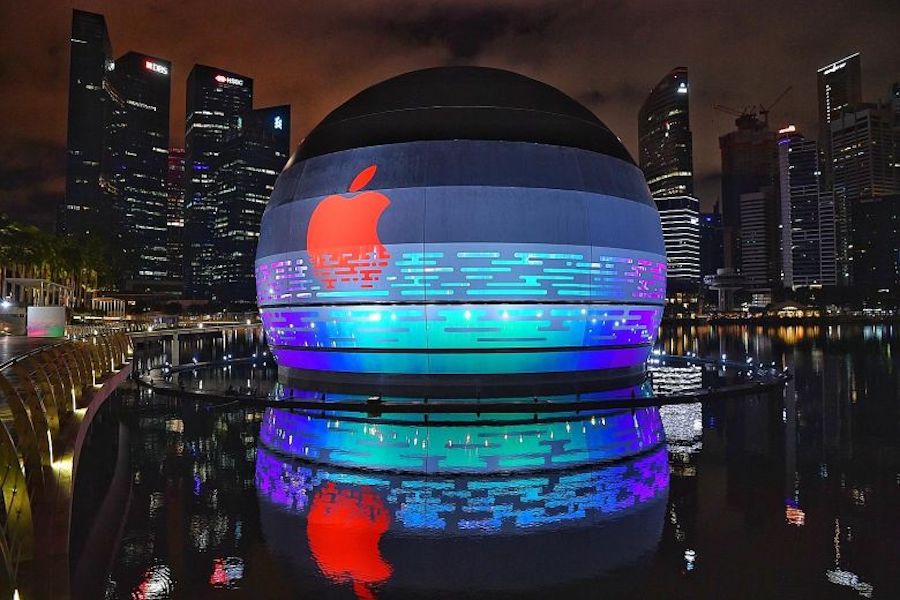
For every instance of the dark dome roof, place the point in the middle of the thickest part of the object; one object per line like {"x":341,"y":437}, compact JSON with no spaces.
{"x":468,"y":103}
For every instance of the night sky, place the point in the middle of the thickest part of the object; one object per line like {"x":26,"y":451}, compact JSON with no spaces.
{"x":315,"y":54}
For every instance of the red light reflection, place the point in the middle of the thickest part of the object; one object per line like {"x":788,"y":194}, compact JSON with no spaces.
{"x":344,"y":526}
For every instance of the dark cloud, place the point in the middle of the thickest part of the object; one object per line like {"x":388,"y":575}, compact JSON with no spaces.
{"x":314,"y":54}
{"x":466,"y":31}
{"x":32,"y":180}
{"x":30,"y":163}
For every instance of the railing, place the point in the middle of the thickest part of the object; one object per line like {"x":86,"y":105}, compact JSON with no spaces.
{"x":87,"y":331}
{"x":45,"y":392}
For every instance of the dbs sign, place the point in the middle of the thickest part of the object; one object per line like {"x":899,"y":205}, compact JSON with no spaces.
{"x":342,"y":235}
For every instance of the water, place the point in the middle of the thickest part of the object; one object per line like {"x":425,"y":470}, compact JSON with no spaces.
{"x":793,"y":496}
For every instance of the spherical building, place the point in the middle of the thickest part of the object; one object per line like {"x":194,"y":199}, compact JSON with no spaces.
{"x":461,"y":224}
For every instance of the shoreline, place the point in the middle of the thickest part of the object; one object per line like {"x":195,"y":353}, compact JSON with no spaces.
{"x":765,"y":320}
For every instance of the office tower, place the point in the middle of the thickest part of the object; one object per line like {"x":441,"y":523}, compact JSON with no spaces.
{"x":894,"y":101}
{"x":83,"y":209}
{"x":712,"y":242}
{"x":807,"y":214}
{"x":665,"y":150}
{"x":876,"y":246}
{"x":839,"y":85}
{"x":252,"y":157}
{"x":664,"y":137}
{"x":216,"y":99}
{"x":175,"y":214}
{"x":864,"y":146}
{"x":757,"y":238}
{"x":135,"y":166}
{"x":680,"y":218}
{"x":863,"y":143}
{"x":749,"y":173}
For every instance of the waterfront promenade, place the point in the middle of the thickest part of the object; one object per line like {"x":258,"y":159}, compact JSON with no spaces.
{"x":50,"y":390}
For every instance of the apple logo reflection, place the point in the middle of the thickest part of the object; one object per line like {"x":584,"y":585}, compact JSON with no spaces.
{"x":343,"y":527}
{"x":504,"y":503}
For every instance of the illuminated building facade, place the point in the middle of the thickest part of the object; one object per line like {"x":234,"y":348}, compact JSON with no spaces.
{"x":758,"y":238}
{"x":664,"y":137}
{"x":864,"y":157}
{"x":251,"y":159}
{"x":493,"y":228}
{"x":839,"y":86}
{"x":216,"y":100}
{"x":665,"y":148}
{"x":680,"y":217}
{"x":807,"y":214}
{"x":84,"y":209}
{"x":135,"y":166}
{"x":175,"y":214}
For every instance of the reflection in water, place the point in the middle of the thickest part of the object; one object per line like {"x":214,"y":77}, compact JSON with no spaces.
{"x":377,"y":500}
{"x":156,"y":584}
{"x":517,"y":444}
{"x":344,"y":526}
{"x":792,"y":495}
{"x":227,"y":572}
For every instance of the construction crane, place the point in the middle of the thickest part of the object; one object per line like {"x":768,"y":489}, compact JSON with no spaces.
{"x":749,"y":113}
{"x":729,"y":111}
{"x":764,"y":110}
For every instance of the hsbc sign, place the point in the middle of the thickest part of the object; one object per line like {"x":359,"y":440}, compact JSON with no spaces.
{"x":231,"y":80}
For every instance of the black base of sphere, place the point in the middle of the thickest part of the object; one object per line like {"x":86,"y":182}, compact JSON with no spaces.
{"x":462,"y":386}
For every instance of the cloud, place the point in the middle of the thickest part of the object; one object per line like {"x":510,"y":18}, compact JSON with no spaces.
{"x":32,"y":180}
{"x":315,"y":54}
{"x":466,"y":31}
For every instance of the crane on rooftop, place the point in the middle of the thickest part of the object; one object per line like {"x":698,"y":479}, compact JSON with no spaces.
{"x":751,"y":114}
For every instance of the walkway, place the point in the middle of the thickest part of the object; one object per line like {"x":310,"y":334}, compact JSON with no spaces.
{"x":50,"y":390}
{"x":12,"y":346}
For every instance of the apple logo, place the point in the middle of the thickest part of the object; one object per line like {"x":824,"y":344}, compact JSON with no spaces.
{"x":342,"y":235}
{"x":343,"y":527}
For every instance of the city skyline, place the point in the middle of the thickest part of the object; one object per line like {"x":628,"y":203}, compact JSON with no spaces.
{"x":299,"y":49}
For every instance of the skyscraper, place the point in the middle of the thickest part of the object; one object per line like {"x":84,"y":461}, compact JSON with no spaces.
{"x":749,"y":174}
{"x":712,"y":242}
{"x":664,"y":137}
{"x":135,"y":166}
{"x":680,"y":218}
{"x":83,"y":209}
{"x":252,"y":157}
{"x":216,"y":99}
{"x":863,"y":143}
{"x":175,"y":214}
{"x":839,"y":85}
{"x":807,"y":214}
{"x":665,"y":149}
{"x":876,"y":245}
{"x":894,"y":101}
{"x":758,"y":237}
{"x":865,"y":149}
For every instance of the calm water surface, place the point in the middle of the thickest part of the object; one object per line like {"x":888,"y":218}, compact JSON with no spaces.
{"x":793,"y":495}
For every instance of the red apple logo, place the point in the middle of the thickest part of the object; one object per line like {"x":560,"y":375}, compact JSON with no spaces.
{"x":343,"y":527}
{"x":342,"y":236}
